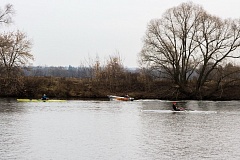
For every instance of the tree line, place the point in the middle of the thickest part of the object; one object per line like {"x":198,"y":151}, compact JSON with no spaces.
{"x":60,"y":71}
{"x":99,"y":80}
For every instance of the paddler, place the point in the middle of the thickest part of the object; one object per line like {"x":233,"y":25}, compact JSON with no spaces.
{"x":176,"y":108}
{"x":44,"y":97}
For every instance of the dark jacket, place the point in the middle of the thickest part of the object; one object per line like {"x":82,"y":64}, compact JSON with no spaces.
{"x":44,"y":97}
{"x":175,"y":108}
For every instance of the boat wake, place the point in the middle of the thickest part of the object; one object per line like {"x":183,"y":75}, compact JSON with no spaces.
{"x":185,"y":111}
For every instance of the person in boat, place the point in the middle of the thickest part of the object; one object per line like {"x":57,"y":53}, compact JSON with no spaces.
{"x":176,"y":108}
{"x":126,"y":96}
{"x":44,"y":97}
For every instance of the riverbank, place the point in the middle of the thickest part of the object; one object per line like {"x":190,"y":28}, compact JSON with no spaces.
{"x":74,"y":88}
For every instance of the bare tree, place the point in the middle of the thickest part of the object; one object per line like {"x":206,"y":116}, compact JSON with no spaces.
{"x":6,"y":14}
{"x":5,"y":18}
{"x":185,"y":38}
{"x":14,"y":51}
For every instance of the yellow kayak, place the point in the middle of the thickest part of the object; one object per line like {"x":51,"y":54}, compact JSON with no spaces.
{"x":39,"y":100}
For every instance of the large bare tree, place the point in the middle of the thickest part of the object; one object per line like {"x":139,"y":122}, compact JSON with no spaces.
{"x":188,"y":43}
{"x":14,"y":46}
{"x":14,"y":54}
{"x":14,"y":51}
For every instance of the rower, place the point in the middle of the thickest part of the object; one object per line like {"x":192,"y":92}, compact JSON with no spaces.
{"x":44,"y":97}
{"x":176,"y":108}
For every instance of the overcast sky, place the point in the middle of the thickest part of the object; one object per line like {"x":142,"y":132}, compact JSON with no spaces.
{"x":75,"y":32}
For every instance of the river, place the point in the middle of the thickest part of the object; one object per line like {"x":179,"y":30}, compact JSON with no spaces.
{"x":110,"y":130}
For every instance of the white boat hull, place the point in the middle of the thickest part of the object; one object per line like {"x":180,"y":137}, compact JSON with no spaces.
{"x":119,"y":98}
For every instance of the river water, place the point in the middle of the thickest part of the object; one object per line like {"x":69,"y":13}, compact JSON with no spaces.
{"x":110,"y":130}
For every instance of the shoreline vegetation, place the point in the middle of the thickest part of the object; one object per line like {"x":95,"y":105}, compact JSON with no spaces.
{"x":135,"y":85}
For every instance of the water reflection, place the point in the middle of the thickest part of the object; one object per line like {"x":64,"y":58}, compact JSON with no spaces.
{"x":145,"y":129}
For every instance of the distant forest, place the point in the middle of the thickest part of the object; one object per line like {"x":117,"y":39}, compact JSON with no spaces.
{"x":60,"y":71}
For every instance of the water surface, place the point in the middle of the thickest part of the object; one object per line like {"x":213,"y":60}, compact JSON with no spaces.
{"x":143,"y":130}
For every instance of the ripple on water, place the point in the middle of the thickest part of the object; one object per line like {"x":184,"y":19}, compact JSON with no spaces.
{"x":115,"y":130}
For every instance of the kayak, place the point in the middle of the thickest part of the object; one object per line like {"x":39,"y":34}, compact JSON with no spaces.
{"x":39,"y":100}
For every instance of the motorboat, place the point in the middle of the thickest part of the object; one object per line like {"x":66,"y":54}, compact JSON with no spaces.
{"x":120,"y":98}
